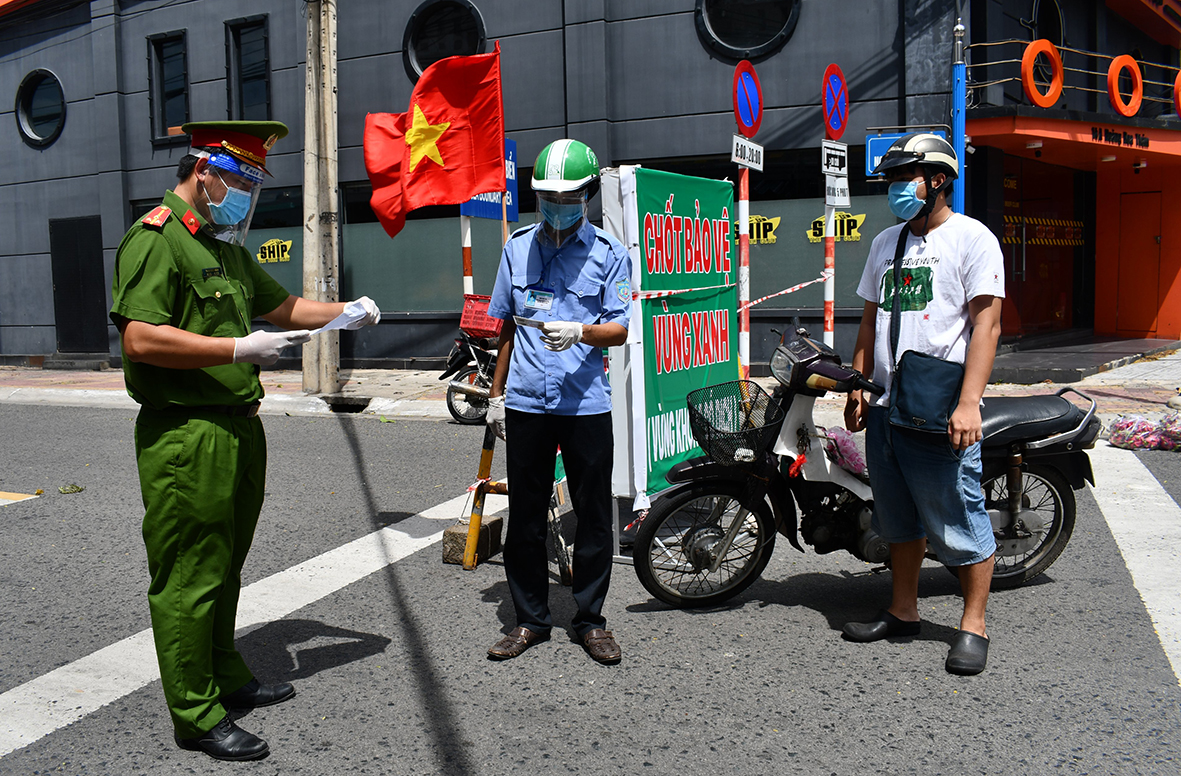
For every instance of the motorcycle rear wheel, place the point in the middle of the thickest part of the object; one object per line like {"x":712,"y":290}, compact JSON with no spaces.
{"x":1046,"y":493}
{"x":468,"y":410}
{"x":680,"y":536}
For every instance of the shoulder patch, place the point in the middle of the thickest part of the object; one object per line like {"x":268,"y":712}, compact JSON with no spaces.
{"x":157,"y":217}
{"x":191,"y":222}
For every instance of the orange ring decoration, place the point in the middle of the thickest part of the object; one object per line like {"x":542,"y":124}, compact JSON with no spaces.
{"x":1177,"y":95}
{"x":1042,"y":46}
{"x":1118,"y":65}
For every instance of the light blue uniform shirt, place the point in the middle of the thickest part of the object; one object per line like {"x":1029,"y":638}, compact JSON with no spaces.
{"x":589,"y":277}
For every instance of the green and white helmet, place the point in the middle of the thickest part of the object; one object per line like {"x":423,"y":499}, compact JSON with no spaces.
{"x":565,"y":166}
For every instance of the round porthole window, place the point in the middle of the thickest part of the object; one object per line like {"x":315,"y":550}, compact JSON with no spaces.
{"x":40,"y":108}
{"x":746,"y":29}
{"x":439,"y":29}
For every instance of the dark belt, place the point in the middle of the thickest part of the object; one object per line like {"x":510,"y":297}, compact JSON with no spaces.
{"x":233,"y":410}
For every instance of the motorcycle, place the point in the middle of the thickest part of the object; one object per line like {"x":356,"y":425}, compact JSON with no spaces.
{"x":472,"y":361}
{"x":711,"y":535}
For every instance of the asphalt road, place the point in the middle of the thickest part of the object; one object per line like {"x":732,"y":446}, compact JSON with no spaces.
{"x":391,"y":670}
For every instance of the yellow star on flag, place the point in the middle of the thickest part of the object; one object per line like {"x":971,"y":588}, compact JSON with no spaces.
{"x":422,"y":138}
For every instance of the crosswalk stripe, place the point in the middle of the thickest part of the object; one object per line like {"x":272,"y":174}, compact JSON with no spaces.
{"x":67,"y":694}
{"x":1146,"y":524}
{"x":12,"y":498}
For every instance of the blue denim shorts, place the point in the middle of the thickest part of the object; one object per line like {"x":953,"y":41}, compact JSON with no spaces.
{"x":926,"y":488}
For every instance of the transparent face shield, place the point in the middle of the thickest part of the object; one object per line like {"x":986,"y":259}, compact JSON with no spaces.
{"x":562,"y":212}
{"x":231,"y":191}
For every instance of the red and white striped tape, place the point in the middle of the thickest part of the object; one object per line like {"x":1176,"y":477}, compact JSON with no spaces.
{"x":823,"y":277}
{"x":658,"y":294}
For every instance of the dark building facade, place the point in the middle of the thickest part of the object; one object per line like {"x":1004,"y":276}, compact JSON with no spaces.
{"x":101,"y":88}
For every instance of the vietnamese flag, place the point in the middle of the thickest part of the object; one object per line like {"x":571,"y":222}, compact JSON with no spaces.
{"x":448,"y":147}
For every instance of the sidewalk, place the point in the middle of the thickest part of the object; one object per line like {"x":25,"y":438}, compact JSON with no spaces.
{"x":1140,"y":388}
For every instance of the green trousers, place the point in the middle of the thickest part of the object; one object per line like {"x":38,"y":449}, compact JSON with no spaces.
{"x":202,"y":476}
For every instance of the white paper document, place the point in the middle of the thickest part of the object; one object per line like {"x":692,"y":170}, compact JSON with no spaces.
{"x":354,"y":313}
{"x":530,"y":322}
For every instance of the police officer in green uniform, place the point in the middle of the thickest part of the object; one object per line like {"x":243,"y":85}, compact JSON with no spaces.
{"x":185,"y":291}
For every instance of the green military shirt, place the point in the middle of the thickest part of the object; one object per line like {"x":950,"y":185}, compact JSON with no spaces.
{"x":171,"y":270}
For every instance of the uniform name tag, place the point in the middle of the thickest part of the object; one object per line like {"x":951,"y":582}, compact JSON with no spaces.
{"x":211,"y":272}
{"x":539,"y":299}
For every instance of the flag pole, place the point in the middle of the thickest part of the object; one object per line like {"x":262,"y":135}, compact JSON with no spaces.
{"x":465,"y":240}
{"x":504,"y":218}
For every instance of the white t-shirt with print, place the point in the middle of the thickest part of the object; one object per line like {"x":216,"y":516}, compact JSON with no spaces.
{"x":941,"y":272}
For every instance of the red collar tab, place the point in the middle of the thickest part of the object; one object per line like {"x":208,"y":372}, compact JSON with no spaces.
{"x":191,"y":222}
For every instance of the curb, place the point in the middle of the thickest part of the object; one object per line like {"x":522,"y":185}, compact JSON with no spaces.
{"x":272,"y":404}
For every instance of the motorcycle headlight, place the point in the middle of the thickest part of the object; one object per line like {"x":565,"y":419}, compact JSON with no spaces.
{"x":781,"y":365}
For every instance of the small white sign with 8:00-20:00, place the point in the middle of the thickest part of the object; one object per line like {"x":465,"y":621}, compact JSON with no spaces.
{"x":747,"y":153}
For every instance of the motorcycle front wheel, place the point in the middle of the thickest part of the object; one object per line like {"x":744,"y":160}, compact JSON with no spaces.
{"x":1042,"y":529}
{"x":683,"y":535}
{"x":469,"y":410}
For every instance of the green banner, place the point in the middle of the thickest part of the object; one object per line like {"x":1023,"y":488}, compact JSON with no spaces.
{"x":691,"y":336}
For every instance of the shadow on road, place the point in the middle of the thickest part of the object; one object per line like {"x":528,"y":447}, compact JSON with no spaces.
{"x":438,"y":709}
{"x":840,"y":597}
{"x":289,"y":650}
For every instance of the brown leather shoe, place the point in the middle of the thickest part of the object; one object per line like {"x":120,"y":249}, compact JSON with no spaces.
{"x":516,"y":642}
{"x":601,"y":645}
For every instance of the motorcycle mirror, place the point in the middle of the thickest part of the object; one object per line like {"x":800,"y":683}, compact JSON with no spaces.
{"x":795,"y":324}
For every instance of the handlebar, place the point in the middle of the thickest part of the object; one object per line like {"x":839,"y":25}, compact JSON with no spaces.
{"x":870,"y":385}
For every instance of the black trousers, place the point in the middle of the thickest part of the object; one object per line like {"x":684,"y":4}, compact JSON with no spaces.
{"x":533,"y":441}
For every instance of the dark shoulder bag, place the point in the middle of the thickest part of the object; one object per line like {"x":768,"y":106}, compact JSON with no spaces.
{"x":925,"y":389}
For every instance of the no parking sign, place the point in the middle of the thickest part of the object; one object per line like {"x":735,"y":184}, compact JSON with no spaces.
{"x":835,"y":102}
{"x":748,"y":99}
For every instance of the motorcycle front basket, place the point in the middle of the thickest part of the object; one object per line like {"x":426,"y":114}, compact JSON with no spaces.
{"x":733,"y":422}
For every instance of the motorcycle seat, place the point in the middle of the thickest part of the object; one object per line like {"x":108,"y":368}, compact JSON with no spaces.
{"x":1008,"y":419}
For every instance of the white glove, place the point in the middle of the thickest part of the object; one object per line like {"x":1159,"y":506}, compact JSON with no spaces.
{"x":263,"y":347}
{"x":495,"y":416}
{"x":561,"y":335}
{"x":363,"y":305}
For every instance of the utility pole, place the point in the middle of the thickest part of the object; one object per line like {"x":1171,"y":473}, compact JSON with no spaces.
{"x":321,"y":224}
{"x":959,"y":91}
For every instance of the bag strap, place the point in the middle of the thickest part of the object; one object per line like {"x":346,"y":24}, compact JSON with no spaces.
{"x":896,"y":303}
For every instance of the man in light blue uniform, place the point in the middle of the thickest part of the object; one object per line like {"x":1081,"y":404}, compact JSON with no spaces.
{"x":572,"y":281}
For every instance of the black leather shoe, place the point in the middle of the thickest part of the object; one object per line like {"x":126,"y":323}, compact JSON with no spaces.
{"x":227,"y":741}
{"x":252,"y":695}
{"x":968,"y":655}
{"x":884,"y":626}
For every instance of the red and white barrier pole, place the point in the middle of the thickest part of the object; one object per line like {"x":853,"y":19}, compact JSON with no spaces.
{"x":829,"y":270}
{"x":465,"y":240}
{"x":744,"y":270}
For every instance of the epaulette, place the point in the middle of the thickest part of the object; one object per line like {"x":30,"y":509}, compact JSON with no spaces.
{"x":518,"y":232}
{"x":157,"y":217}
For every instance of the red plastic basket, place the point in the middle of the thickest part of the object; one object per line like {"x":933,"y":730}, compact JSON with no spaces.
{"x":475,"y":319}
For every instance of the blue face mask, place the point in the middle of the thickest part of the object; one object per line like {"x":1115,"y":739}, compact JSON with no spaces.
{"x":560,"y":216}
{"x":234,"y":206}
{"x":904,"y":202}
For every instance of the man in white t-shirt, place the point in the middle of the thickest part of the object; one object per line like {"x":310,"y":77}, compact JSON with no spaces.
{"x":927,"y":487}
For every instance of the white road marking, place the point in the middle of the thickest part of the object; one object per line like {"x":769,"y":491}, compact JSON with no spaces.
{"x":1146,"y":524}
{"x":14,"y":498}
{"x":67,"y":694}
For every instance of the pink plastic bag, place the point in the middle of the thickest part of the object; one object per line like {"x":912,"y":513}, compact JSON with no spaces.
{"x":1134,"y":432}
{"x":842,"y":449}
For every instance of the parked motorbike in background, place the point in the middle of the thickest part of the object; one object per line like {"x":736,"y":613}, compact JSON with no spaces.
{"x":767,"y":471}
{"x":472,"y":362}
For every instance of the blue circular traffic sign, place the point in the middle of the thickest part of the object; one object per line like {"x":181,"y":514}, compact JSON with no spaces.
{"x":835,"y":102}
{"x":748,"y":99}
